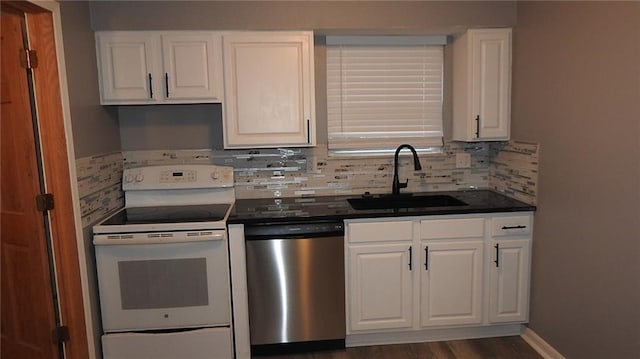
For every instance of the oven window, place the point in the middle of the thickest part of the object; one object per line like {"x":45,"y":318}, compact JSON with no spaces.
{"x":167,"y":283}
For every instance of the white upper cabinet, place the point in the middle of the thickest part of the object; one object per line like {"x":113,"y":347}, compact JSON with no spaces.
{"x":482,"y":85}
{"x":126,"y":64}
{"x":269,"y":89}
{"x":151,"y":67}
{"x":192,"y":66}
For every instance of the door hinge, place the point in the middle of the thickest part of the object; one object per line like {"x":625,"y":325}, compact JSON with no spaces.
{"x":60,"y":334}
{"x":29,"y":59}
{"x":44,"y":202}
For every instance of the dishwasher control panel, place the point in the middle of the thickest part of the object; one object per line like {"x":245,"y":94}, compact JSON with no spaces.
{"x":309,"y":229}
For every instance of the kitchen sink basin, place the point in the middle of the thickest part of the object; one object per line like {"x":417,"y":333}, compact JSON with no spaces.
{"x":404,"y":201}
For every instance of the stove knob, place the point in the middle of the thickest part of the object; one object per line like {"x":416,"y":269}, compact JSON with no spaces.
{"x":215,"y":175}
{"x":139,"y":178}
{"x":128,"y":178}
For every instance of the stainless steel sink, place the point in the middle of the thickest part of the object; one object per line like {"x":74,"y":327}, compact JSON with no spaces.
{"x":404,"y":201}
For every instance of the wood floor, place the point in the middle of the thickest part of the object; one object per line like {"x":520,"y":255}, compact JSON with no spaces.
{"x":494,"y":348}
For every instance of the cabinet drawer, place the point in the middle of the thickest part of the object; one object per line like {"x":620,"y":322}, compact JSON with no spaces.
{"x":511,"y":225}
{"x":380,"y":231}
{"x":452,"y":228}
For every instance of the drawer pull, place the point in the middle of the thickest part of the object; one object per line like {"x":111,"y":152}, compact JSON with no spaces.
{"x":514,"y":227}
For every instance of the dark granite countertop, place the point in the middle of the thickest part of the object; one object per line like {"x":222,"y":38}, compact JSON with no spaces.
{"x":337,"y":208}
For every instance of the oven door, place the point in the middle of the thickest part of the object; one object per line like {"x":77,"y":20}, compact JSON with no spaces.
{"x":163,"y":280}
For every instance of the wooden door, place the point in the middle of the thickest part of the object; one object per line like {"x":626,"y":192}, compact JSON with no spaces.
{"x":28,"y":309}
{"x":42,"y":35}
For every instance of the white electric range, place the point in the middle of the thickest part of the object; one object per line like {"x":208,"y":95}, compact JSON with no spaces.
{"x":163,"y":266}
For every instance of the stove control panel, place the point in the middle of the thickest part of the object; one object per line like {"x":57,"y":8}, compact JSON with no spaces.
{"x":182,"y":176}
{"x":177,"y":177}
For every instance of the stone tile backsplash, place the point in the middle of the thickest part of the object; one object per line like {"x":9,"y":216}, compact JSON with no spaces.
{"x":269,"y":173}
{"x":510,"y":168}
{"x":513,"y":170}
{"x":99,"y":186}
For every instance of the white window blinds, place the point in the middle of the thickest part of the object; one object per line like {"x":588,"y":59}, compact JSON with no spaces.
{"x":380,"y":96}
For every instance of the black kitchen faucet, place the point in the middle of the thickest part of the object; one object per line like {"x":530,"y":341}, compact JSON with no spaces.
{"x":395,"y":189}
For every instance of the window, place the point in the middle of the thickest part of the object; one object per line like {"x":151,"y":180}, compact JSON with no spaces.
{"x":383,"y":92}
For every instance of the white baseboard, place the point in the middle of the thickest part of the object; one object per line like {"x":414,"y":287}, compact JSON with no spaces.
{"x":540,"y":345}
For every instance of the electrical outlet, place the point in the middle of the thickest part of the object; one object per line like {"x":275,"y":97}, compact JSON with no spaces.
{"x":463,"y":160}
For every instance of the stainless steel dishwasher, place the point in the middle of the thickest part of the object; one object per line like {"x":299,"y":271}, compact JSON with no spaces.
{"x":295,"y":277}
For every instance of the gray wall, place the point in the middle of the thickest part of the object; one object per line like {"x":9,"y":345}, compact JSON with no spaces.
{"x":171,"y":127}
{"x":322,"y":16}
{"x":95,"y":128}
{"x":576,"y":91}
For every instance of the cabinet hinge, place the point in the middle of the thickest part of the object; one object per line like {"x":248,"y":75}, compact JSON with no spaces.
{"x":44,"y":202}
{"x":29,"y":59}
{"x":60,"y":334}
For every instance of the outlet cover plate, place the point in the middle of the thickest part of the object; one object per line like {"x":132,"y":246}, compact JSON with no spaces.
{"x":463,"y":160}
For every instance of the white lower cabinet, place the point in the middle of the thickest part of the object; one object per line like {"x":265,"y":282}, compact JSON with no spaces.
{"x":442,"y":273}
{"x":451,"y":280}
{"x":451,"y":283}
{"x":509,"y":281}
{"x":509,"y":268}
{"x":379,"y":275}
{"x":381,"y":286}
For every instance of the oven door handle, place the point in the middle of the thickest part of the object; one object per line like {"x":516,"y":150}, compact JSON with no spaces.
{"x":159,"y":238}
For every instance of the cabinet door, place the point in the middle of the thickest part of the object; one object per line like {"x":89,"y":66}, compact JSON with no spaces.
{"x":491,"y":82}
{"x":451,"y":283}
{"x":192,"y":64}
{"x":380,"y":286}
{"x":127,"y":67}
{"x":509,"y":280}
{"x":269,"y":90}
{"x":482,"y":85}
